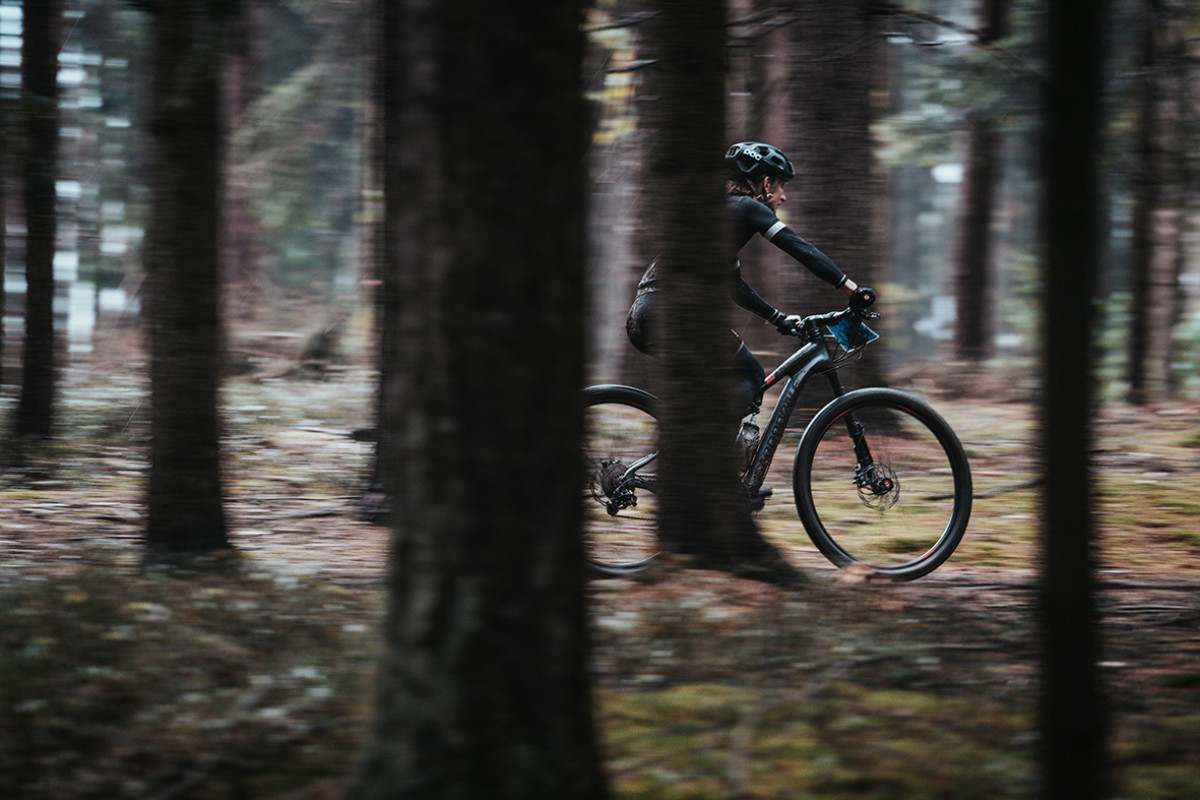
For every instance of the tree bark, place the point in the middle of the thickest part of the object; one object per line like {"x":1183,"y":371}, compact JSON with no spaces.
{"x":973,"y":306}
{"x":5,"y":122}
{"x":483,"y":690}
{"x":974,"y":268}
{"x":385,"y":265}
{"x":240,"y":236}
{"x":39,"y":58}
{"x":704,"y":509}
{"x":184,"y":502}
{"x":1072,"y":714}
{"x":836,"y":48}
{"x":1146,"y":194}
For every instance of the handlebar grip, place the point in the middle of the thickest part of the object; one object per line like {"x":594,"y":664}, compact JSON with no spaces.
{"x":862,"y":299}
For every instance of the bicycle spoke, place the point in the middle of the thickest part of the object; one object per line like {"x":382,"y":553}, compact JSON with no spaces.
{"x":903,"y":511}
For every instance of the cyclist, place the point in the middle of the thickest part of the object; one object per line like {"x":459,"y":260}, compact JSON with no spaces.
{"x":757,"y":174}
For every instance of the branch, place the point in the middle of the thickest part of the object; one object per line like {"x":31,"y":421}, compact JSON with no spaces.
{"x":771,"y":25}
{"x":977,"y":37}
{"x":633,"y":66}
{"x":627,"y":22}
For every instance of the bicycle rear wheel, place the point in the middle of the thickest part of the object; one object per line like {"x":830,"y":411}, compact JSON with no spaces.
{"x":620,"y":510}
{"x":881,"y":480}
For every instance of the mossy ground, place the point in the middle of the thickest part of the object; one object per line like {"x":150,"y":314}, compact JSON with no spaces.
{"x":250,"y":675}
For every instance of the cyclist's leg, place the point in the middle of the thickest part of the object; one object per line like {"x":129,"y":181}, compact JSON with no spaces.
{"x":641,"y":321}
{"x":750,"y":377}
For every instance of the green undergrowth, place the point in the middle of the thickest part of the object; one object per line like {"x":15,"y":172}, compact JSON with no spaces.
{"x":1175,"y":510}
{"x":251,"y":676}
{"x":221,"y":679}
{"x":201,"y":681}
{"x":714,"y":741}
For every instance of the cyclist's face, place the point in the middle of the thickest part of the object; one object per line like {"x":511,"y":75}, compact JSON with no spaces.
{"x":774,"y":187}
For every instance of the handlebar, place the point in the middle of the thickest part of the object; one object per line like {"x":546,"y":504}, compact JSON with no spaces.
{"x":834,"y":317}
{"x":858,"y":310}
{"x":852,"y":337}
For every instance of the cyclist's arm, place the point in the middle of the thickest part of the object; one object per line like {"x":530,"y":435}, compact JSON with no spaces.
{"x":817,"y":262}
{"x":745,"y":296}
{"x":771,"y":228}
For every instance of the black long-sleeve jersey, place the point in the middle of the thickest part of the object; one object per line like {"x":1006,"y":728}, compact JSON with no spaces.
{"x":747,"y":218}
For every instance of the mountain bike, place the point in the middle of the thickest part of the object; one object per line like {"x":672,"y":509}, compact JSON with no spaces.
{"x":880,"y":479}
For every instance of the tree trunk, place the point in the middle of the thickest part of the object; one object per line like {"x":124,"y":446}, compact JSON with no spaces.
{"x":5,"y":122}
{"x":387,"y":151}
{"x":832,"y":200}
{"x":1145,"y":191}
{"x":1071,"y":710}
{"x":184,"y":504}
{"x":705,"y":511}
{"x":483,"y":690}
{"x":39,"y":58}
{"x":240,"y":240}
{"x":758,"y":86}
{"x":973,"y":270}
{"x":975,"y":247}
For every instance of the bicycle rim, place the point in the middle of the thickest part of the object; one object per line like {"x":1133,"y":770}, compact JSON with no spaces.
{"x":904,"y":515}
{"x":620,"y":520}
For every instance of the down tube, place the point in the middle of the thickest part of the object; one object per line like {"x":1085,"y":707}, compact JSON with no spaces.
{"x":783,"y":412}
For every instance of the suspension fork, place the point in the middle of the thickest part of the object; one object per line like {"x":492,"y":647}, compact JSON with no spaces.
{"x":857,"y":431}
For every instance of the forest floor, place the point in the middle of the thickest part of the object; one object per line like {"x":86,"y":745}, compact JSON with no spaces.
{"x":249,"y":675}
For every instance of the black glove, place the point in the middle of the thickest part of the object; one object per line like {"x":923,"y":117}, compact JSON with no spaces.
{"x":862,"y":299}
{"x":786,"y":323}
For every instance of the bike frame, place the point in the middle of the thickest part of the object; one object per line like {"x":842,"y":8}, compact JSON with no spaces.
{"x":812,"y":358}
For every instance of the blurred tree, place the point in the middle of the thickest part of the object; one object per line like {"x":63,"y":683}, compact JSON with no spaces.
{"x":385,"y":269}
{"x":1182,"y":147}
{"x":836,"y":51}
{"x":1071,"y":709}
{"x":705,"y":511}
{"x":972,"y":271}
{"x":5,"y":115}
{"x":1146,"y":190}
{"x":240,"y":240}
{"x":758,"y":87}
{"x":184,"y":504}
{"x":950,"y":83}
{"x":109,"y":142}
{"x":483,"y":689}
{"x":298,"y":151}
{"x":1163,"y":137}
{"x":39,"y":59}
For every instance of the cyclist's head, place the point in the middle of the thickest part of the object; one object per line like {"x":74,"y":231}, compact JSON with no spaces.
{"x":749,"y":162}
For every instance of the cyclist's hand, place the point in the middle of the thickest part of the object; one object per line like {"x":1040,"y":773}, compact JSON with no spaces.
{"x":788,"y":323}
{"x":862,"y":299}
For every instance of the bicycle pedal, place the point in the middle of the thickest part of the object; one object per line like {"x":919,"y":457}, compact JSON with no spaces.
{"x":758,"y":501}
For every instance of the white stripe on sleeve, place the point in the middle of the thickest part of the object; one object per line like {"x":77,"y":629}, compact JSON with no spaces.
{"x":774,"y":229}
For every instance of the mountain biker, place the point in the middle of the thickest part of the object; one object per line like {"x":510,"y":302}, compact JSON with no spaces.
{"x":757,"y":173}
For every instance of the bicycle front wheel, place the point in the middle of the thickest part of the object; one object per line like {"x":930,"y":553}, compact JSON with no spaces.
{"x":620,"y":509}
{"x":882,"y":481}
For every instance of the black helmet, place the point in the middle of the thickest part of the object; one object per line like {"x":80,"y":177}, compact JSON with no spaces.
{"x":752,"y":160}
